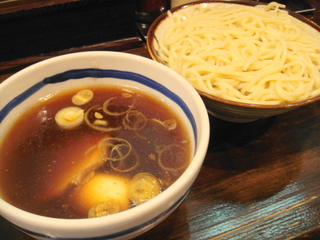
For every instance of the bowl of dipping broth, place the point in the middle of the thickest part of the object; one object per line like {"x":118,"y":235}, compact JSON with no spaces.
{"x":99,"y":145}
{"x":248,"y":60}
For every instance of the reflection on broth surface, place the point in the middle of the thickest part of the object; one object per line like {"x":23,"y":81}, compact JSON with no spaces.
{"x":92,"y":152}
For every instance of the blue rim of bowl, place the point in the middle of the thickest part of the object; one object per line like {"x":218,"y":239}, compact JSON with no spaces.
{"x":100,"y":73}
{"x":117,"y":234}
{"x":103,"y":73}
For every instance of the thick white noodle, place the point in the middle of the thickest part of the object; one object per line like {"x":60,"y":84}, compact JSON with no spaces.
{"x":257,"y":55}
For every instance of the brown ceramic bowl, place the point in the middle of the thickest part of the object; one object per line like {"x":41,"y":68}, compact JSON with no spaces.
{"x":225,"y":109}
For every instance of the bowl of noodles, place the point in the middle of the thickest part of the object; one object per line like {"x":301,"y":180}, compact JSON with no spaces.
{"x":248,"y":60}
{"x":97,"y":145}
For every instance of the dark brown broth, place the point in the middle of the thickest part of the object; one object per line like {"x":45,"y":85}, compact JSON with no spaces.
{"x":36,"y":152}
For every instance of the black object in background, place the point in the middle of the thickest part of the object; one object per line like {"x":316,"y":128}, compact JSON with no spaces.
{"x":64,"y":26}
{"x":300,"y":6}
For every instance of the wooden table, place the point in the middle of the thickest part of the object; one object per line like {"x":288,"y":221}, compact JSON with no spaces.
{"x":259,"y":180}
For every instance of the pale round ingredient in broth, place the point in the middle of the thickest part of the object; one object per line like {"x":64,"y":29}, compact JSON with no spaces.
{"x":100,"y":188}
{"x":82,"y":97}
{"x":143,"y":187}
{"x":101,"y":209}
{"x":69,"y":117}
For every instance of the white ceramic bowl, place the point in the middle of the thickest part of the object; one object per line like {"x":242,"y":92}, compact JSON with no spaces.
{"x":221,"y":108}
{"x":25,"y":87}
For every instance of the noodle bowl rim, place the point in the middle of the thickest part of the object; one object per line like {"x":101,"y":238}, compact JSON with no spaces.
{"x":153,"y":53}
